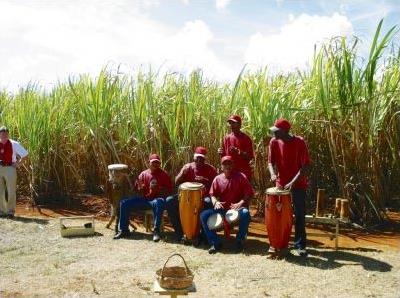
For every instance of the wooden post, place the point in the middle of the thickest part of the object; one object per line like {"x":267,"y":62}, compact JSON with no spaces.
{"x":338,"y":206}
{"x":320,"y":202}
{"x":344,"y":211}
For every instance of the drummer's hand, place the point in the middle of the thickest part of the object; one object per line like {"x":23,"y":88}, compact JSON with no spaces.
{"x":200,"y":178}
{"x":218,"y":205}
{"x":220,"y":151}
{"x":237,"y":206}
{"x":288,"y":186}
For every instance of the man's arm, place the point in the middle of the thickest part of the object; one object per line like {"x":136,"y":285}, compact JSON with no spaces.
{"x":302,"y":172}
{"x":180,"y":178}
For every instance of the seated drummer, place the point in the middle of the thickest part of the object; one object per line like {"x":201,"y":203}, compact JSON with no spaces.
{"x":229,"y":190}
{"x":197,"y":171}
{"x":153,"y":185}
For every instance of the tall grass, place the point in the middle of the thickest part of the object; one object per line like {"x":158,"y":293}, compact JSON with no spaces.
{"x":347,"y":110}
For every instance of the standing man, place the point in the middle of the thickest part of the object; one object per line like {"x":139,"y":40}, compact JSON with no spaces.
{"x":238,"y":145}
{"x":197,"y":171}
{"x":229,"y":190}
{"x":153,"y":185}
{"x":288,"y":164}
{"x":11,"y":154}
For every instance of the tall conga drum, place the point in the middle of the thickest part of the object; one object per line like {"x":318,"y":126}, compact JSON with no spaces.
{"x":278,"y":217}
{"x":190,"y":206}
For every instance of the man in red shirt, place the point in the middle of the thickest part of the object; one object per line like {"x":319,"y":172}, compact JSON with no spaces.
{"x":11,"y":154}
{"x":153,"y":185}
{"x":196,"y":171}
{"x":238,"y":145}
{"x":288,"y":164}
{"x":229,"y":190}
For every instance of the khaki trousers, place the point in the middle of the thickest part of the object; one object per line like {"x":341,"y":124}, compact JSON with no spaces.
{"x":8,"y":180}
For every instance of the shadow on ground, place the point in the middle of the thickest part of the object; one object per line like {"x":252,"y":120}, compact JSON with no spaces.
{"x":330,"y":259}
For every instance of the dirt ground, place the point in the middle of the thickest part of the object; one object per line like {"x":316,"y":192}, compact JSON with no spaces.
{"x":36,"y":262}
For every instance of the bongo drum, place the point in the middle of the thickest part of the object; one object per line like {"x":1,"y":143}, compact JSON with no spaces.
{"x":232,"y":217}
{"x":115,"y":171}
{"x":278,"y":217}
{"x":215,"y":222}
{"x":190,"y":206}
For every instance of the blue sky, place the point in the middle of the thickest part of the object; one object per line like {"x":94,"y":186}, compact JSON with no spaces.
{"x":47,"y":41}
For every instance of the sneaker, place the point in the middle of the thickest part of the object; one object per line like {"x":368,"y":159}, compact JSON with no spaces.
{"x":122,"y":234}
{"x":156,"y":237}
{"x":214,"y":248}
{"x":302,"y":252}
{"x":3,"y":215}
{"x":271,"y":250}
{"x":10,"y":215}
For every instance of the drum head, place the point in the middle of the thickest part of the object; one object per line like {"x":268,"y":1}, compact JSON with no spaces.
{"x":191,"y":186}
{"x":117,"y":166}
{"x":232,"y":216}
{"x":277,"y":191}
{"x":215,"y":221}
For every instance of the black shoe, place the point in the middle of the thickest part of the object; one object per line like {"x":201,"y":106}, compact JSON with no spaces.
{"x":122,"y":234}
{"x":302,"y":252}
{"x":156,"y":237}
{"x":10,"y":216}
{"x":214,"y":248}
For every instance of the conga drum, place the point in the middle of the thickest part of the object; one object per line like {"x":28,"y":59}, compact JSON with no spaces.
{"x":278,"y":217}
{"x":190,"y":206}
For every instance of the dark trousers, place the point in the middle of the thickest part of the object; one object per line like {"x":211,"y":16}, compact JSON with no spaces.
{"x":139,"y":203}
{"x":299,"y":207}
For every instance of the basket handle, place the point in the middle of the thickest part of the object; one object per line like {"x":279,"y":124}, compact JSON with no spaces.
{"x":179,"y":255}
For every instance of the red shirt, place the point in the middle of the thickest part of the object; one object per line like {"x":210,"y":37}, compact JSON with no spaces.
{"x":160,"y":177}
{"x":6,"y":151}
{"x":289,"y":157}
{"x":244,"y":143}
{"x":207,"y":171}
{"x":233,"y":189}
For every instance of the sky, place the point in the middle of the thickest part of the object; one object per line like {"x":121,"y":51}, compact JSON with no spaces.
{"x":45,"y":42}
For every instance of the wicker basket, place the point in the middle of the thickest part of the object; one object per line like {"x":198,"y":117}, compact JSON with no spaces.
{"x":175,"y":277}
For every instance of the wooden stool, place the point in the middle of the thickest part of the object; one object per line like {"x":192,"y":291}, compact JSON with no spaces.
{"x":148,"y":220}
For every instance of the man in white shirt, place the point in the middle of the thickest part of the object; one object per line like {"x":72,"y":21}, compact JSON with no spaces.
{"x":11,"y":154}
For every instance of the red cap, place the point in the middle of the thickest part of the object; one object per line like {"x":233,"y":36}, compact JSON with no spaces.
{"x":235,"y":118}
{"x":154,"y":157}
{"x":200,"y":151}
{"x":281,"y":124}
{"x":226,"y":158}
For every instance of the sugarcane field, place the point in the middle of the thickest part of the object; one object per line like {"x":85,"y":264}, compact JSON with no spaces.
{"x":217,"y":148}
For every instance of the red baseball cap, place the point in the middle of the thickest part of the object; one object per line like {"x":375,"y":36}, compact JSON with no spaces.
{"x":281,"y":124}
{"x":226,"y":158}
{"x":154,"y":157}
{"x":200,"y":151}
{"x":235,"y":118}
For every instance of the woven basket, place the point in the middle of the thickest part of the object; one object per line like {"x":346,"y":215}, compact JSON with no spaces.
{"x":175,"y":277}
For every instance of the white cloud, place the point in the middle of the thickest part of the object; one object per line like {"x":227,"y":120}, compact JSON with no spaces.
{"x":186,"y":2}
{"x":293,"y":46}
{"x":51,"y":42}
{"x":221,"y":5}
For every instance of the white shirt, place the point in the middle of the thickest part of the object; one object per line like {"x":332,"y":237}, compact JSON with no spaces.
{"x":17,"y":150}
